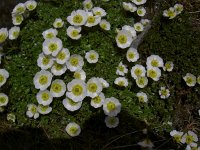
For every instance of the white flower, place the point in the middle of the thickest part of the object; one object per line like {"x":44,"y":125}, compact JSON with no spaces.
{"x":44,"y":62}
{"x":171,"y":13}
{"x":154,"y":61}
{"x":11,"y":117}
{"x":138,"y":27}
{"x":124,"y":39}
{"x":97,"y":101}
{"x":87,"y":4}
{"x":190,"y":138}
{"x":58,"y":88}
{"x":14,"y":33}
{"x":19,"y":9}
{"x":92,"y":20}
{"x":76,"y":90}
{"x":142,"y":97}
{"x":44,"y":97}
{"x":146,"y":143}
{"x":141,"y":11}
{"x":154,"y":73}
{"x":63,"y":56}
{"x":74,"y":32}
{"x":105,"y":24}
{"x":104,"y":83}
{"x":92,"y":56}
{"x":139,"y":2}
{"x":178,"y":8}
{"x":138,"y":71}
{"x":94,"y":87}
{"x":58,"y":23}
{"x":132,"y":55}
{"x":3,"y":76}
{"x":129,"y":7}
{"x":80,"y":74}
{"x":164,"y":93}
{"x":131,"y":30}
{"x":77,"y":18}
{"x":111,"y":106}
{"x":44,"y":109}
{"x":141,"y":82}
{"x":32,"y":111}
{"x":73,"y":129}
{"x":3,"y":34}
{"x":145,"y":22}
{"x":198,"y":79}
{"x":70,"y":105}
{"x":49,"y":34}
{"x":112,"y":122}
{"x":42,"y":79}
{"x":169,"y":65}
{"x":52,"y":46}
{"x":193,"y":147}
{"x":176,"y":135}
{"x":121,"y":69}
{"x":75,"y":63}
{"x":121,"y":81}
{"x":17,"y":19}
{"x":58,"y":69}
{"x":31,"y":5}
{"x":190,"y":79}
{"x":3,"y":99}
{"x":97,"y":11}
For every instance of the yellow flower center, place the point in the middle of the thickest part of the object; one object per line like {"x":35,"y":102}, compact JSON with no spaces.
{"x":45,"y":60}
{"x":154,"y":63}
{"x":122,"y":39}
{"x":61,"y":56}
{"x":2,"y":100}
{"x":74,"y":61}
{"x":45,"y":96}
{"x":2,"y":78}
{"x":77,"y":90}
{"x":138,"y":72}
{"x":74,"y":33}
{"x":43,"y":79}
{"x":52,"y":47}
{"x":97,"y":99}
{"x":92,"y":87}
{"x":71,"y":102}
{"x":77,"y":75}
{"x":152,"y":73}
{"x":189,"y":139}
{"x":111,"y":106}
{"x":92,"y":56}
{"x":56,"y":87}
{"x":91,"y":19}
{"x":77,"y":19}
{"x":131,"y":55}
{"x":73,"y":130}
{"x":49,"y":35}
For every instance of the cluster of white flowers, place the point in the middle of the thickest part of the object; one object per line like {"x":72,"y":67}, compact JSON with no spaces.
{"x":20,"y":9}
{"x":191,"y":80}
{"x":128,"y":33}
{"x":172,"y":12}
{"x":189,"y":138}
{"x":89,"y":17}
{"x":4,"y":75}
{"x":17,"y":18}
{"x":55,"y":60}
